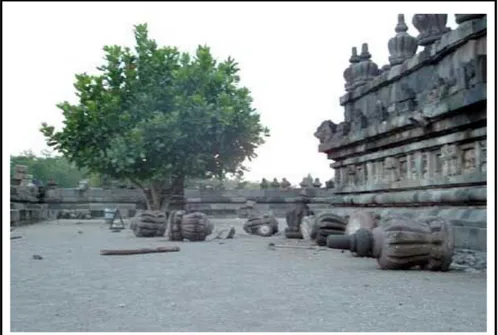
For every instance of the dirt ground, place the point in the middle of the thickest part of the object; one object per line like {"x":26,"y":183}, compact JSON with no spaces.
{"x":237,"y":285}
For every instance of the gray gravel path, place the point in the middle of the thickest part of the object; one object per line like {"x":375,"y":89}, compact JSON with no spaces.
{"x":239,"y":286}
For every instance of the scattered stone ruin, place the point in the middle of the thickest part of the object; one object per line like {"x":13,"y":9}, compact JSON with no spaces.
{"x":413,"y":139}
{"x":412,"y":143}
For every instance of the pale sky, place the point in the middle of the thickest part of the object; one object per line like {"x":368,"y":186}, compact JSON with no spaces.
{"x":292,"y":57}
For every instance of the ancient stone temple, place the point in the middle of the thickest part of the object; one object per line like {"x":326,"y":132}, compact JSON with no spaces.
{"x":413,"y":139}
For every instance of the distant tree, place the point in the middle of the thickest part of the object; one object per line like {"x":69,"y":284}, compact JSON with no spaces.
{"x":47,"y":167}
{"x":156,"y":116}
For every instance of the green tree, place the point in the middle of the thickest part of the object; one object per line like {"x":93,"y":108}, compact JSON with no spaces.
{"x":46,"y":167}
{"x":156,"y":116}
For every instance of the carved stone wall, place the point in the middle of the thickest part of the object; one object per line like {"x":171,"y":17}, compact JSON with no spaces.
{"x":414,"y":134}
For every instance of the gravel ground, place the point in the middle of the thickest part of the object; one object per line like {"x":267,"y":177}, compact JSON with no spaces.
{"x":237,"y":285}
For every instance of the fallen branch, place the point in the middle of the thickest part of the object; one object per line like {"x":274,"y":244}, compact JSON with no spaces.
{"x":283,"y":246}
{"x":15,"y":237}
{"x":138,"y":251}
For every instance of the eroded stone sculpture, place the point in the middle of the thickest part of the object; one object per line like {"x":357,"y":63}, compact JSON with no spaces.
{"x":275,"y":183}
{"x":430,"y":26}
{"x":264,"y":184}
{"x":295,"y":216}
{"x":285,"y":184}
{"x":325,"y":132}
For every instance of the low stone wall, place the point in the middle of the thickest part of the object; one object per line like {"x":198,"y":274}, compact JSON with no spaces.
{"x":469,"y":222}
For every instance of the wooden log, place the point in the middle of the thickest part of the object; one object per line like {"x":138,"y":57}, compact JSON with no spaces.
{"x":284,"y":246}
{"x":138,"y":251}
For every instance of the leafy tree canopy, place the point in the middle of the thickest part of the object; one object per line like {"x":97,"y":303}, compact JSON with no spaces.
{"x":155,"y":115}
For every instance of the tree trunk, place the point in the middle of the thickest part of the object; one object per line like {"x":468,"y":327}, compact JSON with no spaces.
{"x":173,"y":200}
{"x":165,"y":198}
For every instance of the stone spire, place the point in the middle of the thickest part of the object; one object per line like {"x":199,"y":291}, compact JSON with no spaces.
{"x":348,"y":73}
{"x":430,"y":26}
{"x":460,"y":18}
{"x":403,"y":46}
{"x":365,"y":70}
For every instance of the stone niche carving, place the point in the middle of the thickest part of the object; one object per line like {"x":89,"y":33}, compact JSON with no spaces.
{"x":440,"y":87}
{"x":380,"y":113}
{"x":405,"y":100}
{"x":379,"y":171}
{"x":361,"y":176}
{"x":337,"y":177}
{"x":480,"y":155}
{"x":358,"y":120}
{"x":343,"y":176}
{"x":451,"y":160}
{"x":391,"y":166}
{"x":370,"y":169}
{"x":351,"y":175}
{"x":473,"y":72}
{"x":469,"y":160}
{"x":418,"y":165}
{"x":403,"y":168}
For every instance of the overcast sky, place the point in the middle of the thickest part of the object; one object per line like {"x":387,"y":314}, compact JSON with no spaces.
{"x":292,"y":57}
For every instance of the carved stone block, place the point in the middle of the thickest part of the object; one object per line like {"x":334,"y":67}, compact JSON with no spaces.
{"x":391,"y":167}
{"x":370,"y":172}
{"x":469,"y":160}
{"x":351,"y":175}
{"x":451,"y":160}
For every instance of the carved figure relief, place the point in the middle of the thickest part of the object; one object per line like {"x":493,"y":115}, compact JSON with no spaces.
{"x":351,"y":175}
{"x":482,"y":150}
{"x":360,"y":174}
{"x":370,"y":172}
{"x":379,"y":171}
{"x":430,"y":167}
{"x":343,"y":176}
{"x":440,"y":87}
{"x":418,"y":165}
{"x":380,"y":113}
{"x":337,"y":177}
{"x":450,"y":156}
{"x":469,"y":160}
{"x":391,"y":165}
{"x":473,"y":72}
{"x":358,"y":121}
{"x":325,"y":131}
{"x":403,"y":169}
{"x":407,"y":101}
